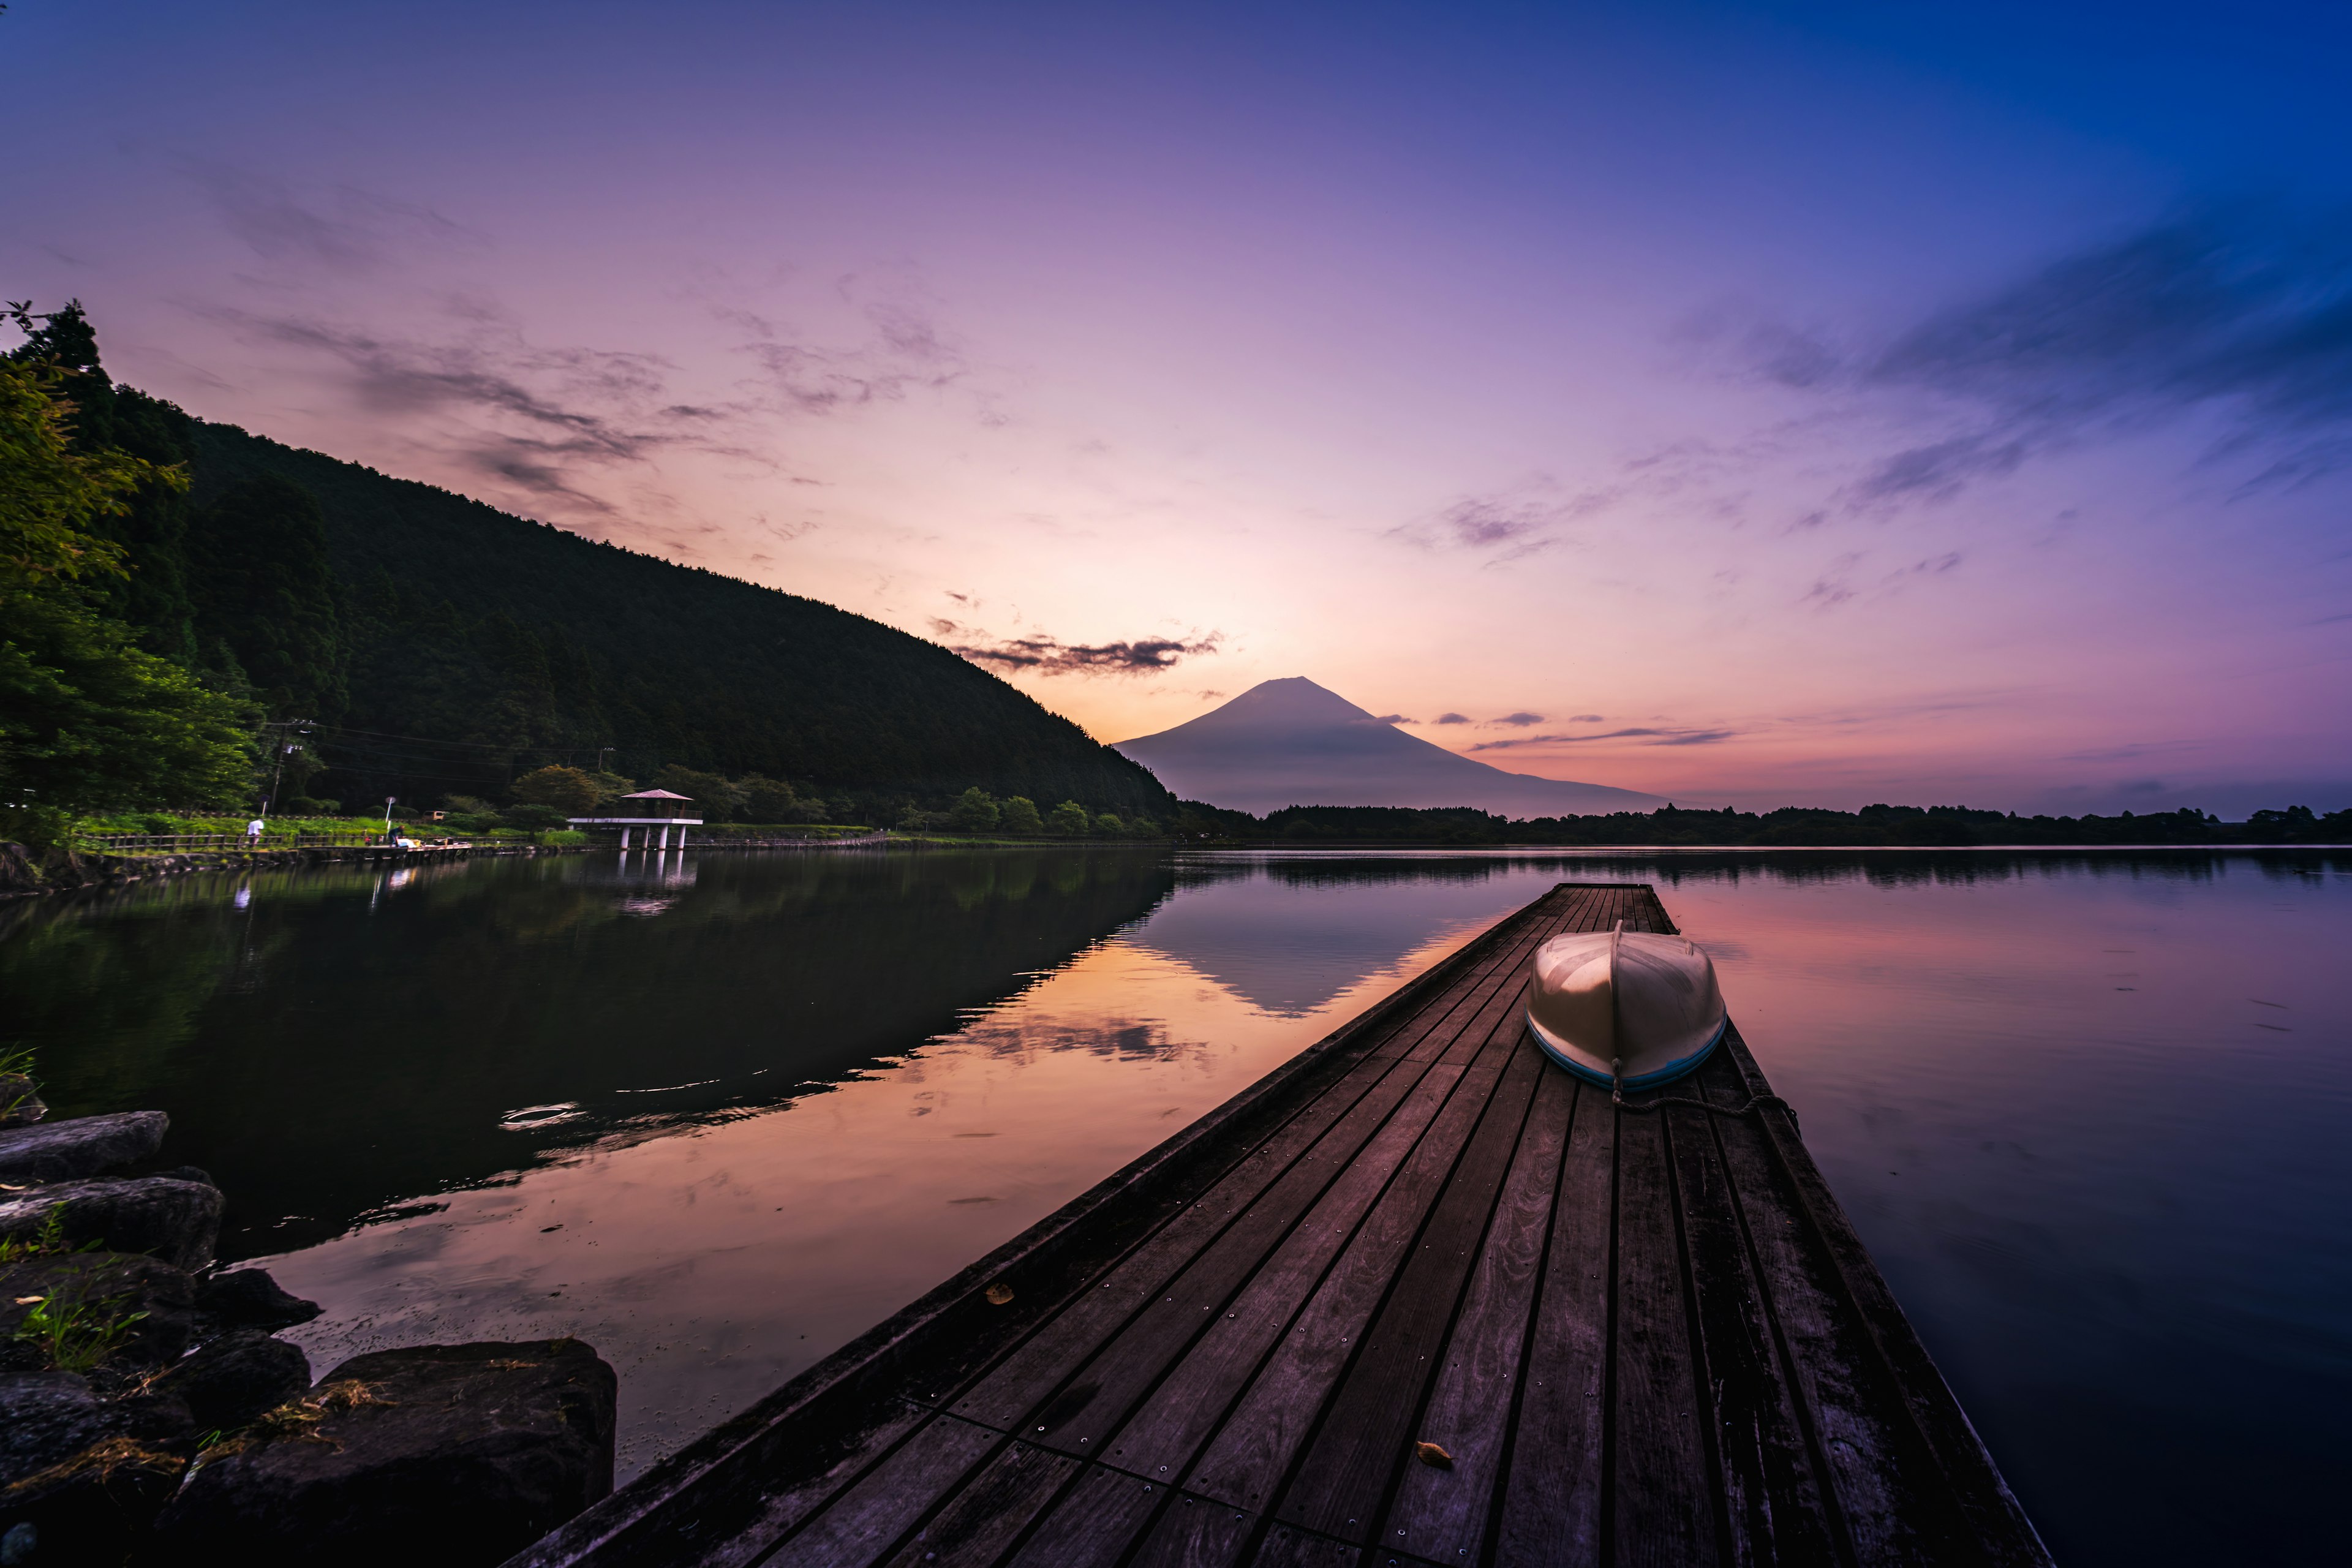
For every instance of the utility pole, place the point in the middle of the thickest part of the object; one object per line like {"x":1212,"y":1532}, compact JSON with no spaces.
{"x":281,"y":749}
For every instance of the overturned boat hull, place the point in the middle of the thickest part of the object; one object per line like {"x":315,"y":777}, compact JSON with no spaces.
{"x":1630,"y":1009}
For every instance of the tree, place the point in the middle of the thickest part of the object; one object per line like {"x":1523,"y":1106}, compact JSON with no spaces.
{"x":1109,"y":825}
{"x":767,"y":799}
{"x":568,"y":790}
{"x":89,"y":720}
{"x":262,"y":592}
{"x":1069,"y":819}
{"x":974,"y":811}
{"x":1019,"y":815}
{"x":720,"y":800}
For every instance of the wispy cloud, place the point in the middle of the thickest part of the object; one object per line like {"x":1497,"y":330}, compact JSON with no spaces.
{"x":1050,"y":656}
{"x":1646,"y":736}
{"x":345,"y":229}
{"x":1519,"y":720}
{"x":1454,"y":718}
{"x":1506,"y":524}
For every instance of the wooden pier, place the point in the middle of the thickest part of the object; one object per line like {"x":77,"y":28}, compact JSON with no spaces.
{"x":1643,"y":1334}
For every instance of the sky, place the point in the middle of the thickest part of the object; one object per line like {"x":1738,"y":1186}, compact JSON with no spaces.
{"x":1754,"y":404}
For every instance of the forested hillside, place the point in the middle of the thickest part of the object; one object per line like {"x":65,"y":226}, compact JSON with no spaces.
{"x":443,"y":645}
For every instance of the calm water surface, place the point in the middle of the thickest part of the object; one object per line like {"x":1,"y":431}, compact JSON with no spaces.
{"x":718,"y":1114}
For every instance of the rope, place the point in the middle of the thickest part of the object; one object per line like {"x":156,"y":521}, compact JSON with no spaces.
{"x":1756,"y":1102}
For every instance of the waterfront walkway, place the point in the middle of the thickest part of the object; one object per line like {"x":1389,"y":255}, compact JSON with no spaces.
{"x":1417,"y":1298}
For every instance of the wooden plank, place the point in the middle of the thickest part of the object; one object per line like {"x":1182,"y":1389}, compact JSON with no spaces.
{"x":1011,"y":1395}
{"x":1340,"y":1182}
{"x":1196,"y":1533}
{"x":1285,"y":1547}
{"x":979,"y":1522}
{"x":1183,"y":1411}
{"x":1661,"y":1493}
{"x":1095,"y":1523}
{"x":1895,"y":1494}
{"x":1343,"y":1481}
{"x":1503,"y":996}
{"x":862,"y":1523}
{"x":1552,"y":1487}
{"x":1772,"y":1506}
{"x":729,"y":1538}
{"x":1443,"y":1513}
{"x":1249,"y":1454}
{"x":1016,"y":1387}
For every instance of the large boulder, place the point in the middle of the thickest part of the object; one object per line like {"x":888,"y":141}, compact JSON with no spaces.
{"x":81,"y":1476}
{"x":173,"y":1220}
{"x":251,"y":1299}
{"x":79,"y":1145}
{"x":152,"y":1302}
{"x":236,"y":1378}
{"x":452,"y":1455}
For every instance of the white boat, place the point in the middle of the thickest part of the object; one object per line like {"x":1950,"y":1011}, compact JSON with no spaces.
{"x":1623,"y":1007}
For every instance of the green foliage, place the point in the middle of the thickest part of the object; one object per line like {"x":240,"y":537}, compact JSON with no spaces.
{"x":90,"y":722}
{"x":717,"y":795}
{"x":559,"y":838}
{"x":975,"y":811}
{"x":264,"y":595}
{"x":1019,"y":815}
{"x":1110,"y":825}
{"x":76,"y":1336}
{"x":568,"y":792}
{"x":52,"y":494}
{"x":1069,"y":820}
{"x":532,"y":817}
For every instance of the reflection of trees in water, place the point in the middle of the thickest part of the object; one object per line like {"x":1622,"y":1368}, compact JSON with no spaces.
{"x":1880,"y":867}
{"x":339,"y":1044}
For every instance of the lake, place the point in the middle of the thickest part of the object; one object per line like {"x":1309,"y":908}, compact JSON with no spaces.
{"x":719,"y":1113}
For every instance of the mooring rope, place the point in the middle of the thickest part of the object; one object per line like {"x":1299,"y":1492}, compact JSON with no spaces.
{"x":1756,"y":1102}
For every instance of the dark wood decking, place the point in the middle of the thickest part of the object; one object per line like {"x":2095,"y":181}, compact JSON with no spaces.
{"x":1643,"y":1337}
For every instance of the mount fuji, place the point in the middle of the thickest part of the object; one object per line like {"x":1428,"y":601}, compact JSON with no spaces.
{"x":1292,"y":742}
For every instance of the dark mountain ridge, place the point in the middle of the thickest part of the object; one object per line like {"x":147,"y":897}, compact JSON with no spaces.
{"x":442,"y":645}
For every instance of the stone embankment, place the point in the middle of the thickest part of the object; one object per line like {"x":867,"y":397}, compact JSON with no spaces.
{"x":150,"y":1414}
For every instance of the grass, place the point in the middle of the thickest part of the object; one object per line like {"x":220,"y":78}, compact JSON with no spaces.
{"x":48,"y":1241}
{"x":76,"y":1335}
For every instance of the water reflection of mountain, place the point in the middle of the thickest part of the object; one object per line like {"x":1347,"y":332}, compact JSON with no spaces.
{"x":1267,"y":931}
{"x":339,"y":1043}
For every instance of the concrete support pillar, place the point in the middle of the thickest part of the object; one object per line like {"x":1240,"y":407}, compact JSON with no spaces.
{"x":625,"y":840}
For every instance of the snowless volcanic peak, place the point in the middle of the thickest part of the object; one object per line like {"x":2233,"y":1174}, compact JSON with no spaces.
{"x":1292,"y":742}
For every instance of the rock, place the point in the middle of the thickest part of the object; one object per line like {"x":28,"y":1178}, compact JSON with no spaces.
{"x":452,"y":1455}
{"x":19,"y":1106}
{"x":114,"y":1285}
{"x":197,"y":1174}
{"x":79,"y":1145}
{"x":234,"y":1378}
{"x":251,"y":1299}
{"x":81,"y":1476}
{"x":175,"y":1220}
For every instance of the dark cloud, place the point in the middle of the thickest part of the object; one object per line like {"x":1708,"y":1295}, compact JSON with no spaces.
{"x":1050,"y":656}
{"x":1453,"y":717}
{"x":1519,"y":720}
{"x":1648,"y":737}
{"x":2241,"y":311}
{"x":1584,"y":718}
{"x":1392,"y":718}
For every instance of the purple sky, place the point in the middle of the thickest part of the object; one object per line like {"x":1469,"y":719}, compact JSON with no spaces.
{"x":1804,"y":404}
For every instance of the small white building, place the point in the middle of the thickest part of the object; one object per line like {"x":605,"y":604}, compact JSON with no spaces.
{"x":648,"y":809}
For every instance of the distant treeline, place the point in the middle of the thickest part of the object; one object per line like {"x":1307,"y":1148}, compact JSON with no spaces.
{"x":1794,"y":827}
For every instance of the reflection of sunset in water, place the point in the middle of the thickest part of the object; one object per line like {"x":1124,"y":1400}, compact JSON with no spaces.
{"x":710,"y":1264}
